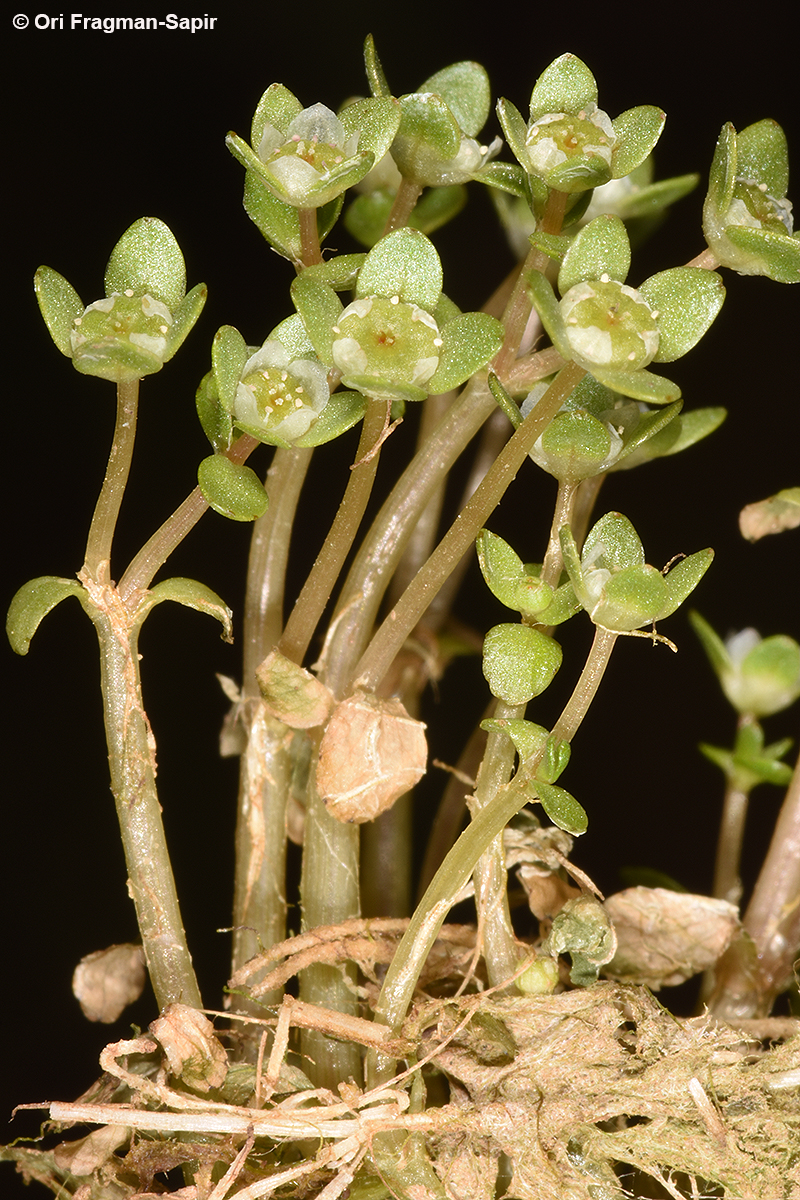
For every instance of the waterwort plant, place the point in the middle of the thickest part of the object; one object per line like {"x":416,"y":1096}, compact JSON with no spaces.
{"x":326,"y":719}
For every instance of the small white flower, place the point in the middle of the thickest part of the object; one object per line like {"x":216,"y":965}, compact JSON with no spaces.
{"x":280,"y":396}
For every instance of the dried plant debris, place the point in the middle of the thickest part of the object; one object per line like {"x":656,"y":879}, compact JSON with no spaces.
{"x":107,"y":981}
{"x":567,"y":1095}
{"x":666,"y":937}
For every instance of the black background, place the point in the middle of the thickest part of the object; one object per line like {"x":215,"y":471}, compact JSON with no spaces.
{"x":105,"y":128}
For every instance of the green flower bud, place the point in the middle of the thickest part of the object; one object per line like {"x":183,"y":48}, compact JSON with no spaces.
{"x":759,"y":676}
{"x":144,"y":316}
{"x":747,"y":220}
{"x":614,"y":584}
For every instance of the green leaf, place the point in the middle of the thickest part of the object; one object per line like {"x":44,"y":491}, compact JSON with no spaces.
{"x":340,"y":273}
{"x":683,"y":578}
{"x":216,"y":422}
{"x":427,"y":129}
{"x":506,"y":177}
{"x":32,"y":602}
{"x":320,"y":309}
{"x":184,"y":318}
{"x":639,"y":385}
{"x":469,"y":342}
{"x":464,"y":87}
{"x":544,"y":300}
{"x":528,"y":739}
{"x":377,"y":80}
{"x":630,"y":598}
{"x":278,"y":107}
{"x":554,"y":760}
{"x":504,"y":401}
{"x":515,"y":129}
{"x":567,"y":85}
{"x":778,"y":254}
{"x":278,"y":222}
{"x":562,"y":808}
{"x":376,"y":122}
{"x":193,"y":595}
{"x":501,"y":567}
{"x":763,"y":154}
{"x":147,"y":258}
{"x":712,"y":643}
{"x":232,"y":489}
{"x":404,"y":264}
{"x":621,"y":544}
{"x":228,"y":356}
{"x":600,"y":248}
{"x":722,"y":176}
{"x":637,"y":132}
{"x":687,"y":300}
{"x":579,"y":174}
{"x":60,"y":305}
{"x":519,"y":662}
{"x":342,"y":412}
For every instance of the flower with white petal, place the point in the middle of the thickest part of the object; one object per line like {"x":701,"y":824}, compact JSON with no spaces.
{"x":387,"y":341}
{"x":278,"y":395}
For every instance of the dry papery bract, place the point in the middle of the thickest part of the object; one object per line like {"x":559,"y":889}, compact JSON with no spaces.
{"x":570,"y":1088}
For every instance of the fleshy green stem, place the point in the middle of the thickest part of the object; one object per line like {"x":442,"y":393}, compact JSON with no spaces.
{"x":320,"y":583}
{"x":131,"y":753}
{"x":104,"y":520}
{"x":405,"y":201}
{"x":158,"y":548}
{"x":452,"y":876}
{"x":406,"y":613}
{"x":329,"y":893}
{"x":259,"y":906}
{"x":491,"y":878}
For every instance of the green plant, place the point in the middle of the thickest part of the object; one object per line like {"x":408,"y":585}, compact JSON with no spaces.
{"x":337,"y":744}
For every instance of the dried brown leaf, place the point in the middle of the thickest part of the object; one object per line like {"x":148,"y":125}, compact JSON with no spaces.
{"x":665,"y":937}
{"x":107,"y":981}
{"x":372,"y":752}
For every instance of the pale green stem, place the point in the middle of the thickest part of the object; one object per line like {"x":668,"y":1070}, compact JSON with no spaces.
{"x":106,"y":512}
{"x":407,"y":612}
{"x":746,"y":983}
{"x":500,"y":952}
{"x":269,"y":553}
{"x":553,"y":562}
{"x":259,"y":898}
{"x":320,"y":583}
{"x":158,"y":548}
{"x":131,"y":754}
{"x":384,"y":544}
{"x":772,"y":917}
{"x":727,"y":884}
{"x":259,"y":908}
{"x":404,"y":203}
{"x":329,"y":894}
{"x":309,"y":237}
{"x":452,"y":876}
